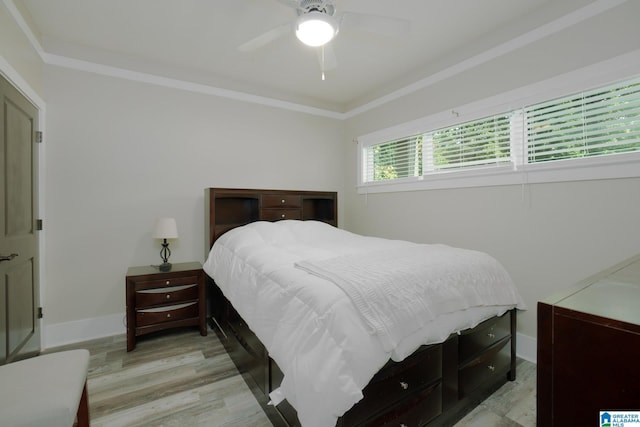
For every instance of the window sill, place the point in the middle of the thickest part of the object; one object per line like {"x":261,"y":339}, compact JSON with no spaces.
{"x":611,"y":167}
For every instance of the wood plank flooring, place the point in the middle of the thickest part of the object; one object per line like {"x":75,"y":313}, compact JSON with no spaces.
{"x":179,"y":379}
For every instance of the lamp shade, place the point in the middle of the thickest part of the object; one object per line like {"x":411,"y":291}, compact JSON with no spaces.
{"x":316,"y":28}
{"x":166,"y":228}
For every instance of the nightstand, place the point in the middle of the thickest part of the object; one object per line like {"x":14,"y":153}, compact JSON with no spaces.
{"x":161,"y":300}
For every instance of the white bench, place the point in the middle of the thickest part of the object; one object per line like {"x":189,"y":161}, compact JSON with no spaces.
{"x":49,"y":390}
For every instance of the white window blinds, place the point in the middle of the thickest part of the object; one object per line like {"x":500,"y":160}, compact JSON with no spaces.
{"x":481,"y":142}
{"x":595,"y":123}
{"x":395,"y":159}
{"x":599,"y":122}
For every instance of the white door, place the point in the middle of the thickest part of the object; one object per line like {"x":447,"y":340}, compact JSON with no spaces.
{"x":19,"y":294}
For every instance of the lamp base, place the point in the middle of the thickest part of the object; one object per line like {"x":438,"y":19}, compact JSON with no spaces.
{"x":166,"y":266}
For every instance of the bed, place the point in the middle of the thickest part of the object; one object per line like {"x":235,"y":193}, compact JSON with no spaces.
{"x":292,"y":298}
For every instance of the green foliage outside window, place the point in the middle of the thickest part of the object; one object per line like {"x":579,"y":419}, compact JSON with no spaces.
{"x":596,"y":123}
{"x":476,"y":143}
{"x":398,"y":159}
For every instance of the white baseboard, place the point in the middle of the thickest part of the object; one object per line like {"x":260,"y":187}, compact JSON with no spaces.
{"x":77,"y":331}
{"x":527,"y":347}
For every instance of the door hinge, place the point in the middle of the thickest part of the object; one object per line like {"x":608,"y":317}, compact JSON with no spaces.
{"x":38,"y":136}
{"x":39,"y":224}
{"x":40,"y":315}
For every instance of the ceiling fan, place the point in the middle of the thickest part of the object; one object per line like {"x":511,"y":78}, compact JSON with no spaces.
{"x":318,"y":23}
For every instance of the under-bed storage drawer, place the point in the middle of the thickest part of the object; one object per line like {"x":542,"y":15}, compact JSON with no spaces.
{"x":250,"y":354}
{"x":242,"y":332}
{"x":417,"y":410}
{"x":397,"y":382}
{"x":484,"y":354}
{"x":486,"y":334}
{"x":485,"y":368}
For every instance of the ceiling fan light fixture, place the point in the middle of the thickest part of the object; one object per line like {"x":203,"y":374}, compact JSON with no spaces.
{"x":316,"y":28}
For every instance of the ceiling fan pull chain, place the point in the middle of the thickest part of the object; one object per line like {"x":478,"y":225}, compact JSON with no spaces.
{"x":322,"y":66}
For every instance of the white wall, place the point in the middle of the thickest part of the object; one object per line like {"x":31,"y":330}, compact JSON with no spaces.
{"x":548,"y":236}
{"x":118,"y":154}
{"x":122,"y":153}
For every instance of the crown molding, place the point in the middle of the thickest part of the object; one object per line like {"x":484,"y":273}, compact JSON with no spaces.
{"x":106,"y":70}
{"x":512,"y":45}
{"x":562,"y":23}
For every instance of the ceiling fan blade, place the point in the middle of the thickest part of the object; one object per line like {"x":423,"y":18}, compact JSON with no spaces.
{"x":327,"y":57}
{"x":376,"y":24}
{"x":291,"y":3}
{"x":266,"y":38}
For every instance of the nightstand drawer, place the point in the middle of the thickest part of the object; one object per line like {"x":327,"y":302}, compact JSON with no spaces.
{"x":152,"y":316}
{"x":281,"y":201}
{"x":166,"y":282}
{"x":278,"y":214}
{"x":166,"y":295}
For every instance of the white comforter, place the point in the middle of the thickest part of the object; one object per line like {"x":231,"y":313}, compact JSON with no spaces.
{"x":302,"y":289}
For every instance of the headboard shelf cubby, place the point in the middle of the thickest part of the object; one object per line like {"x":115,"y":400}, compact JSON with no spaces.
{"x":233,"y":207}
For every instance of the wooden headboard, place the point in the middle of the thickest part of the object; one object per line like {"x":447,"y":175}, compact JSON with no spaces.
{"x":227,"y":208}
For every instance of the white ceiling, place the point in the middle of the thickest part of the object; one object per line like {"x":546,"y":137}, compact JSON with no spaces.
{"x":197,"y":40}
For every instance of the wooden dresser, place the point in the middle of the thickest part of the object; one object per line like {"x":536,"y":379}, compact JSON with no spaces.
{"x":589,"y":348}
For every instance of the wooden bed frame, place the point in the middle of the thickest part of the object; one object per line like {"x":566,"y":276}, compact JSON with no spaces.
{"x":435,"y":386}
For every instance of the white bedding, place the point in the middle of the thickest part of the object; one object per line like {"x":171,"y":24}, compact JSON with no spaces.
{"x":326,"y":337}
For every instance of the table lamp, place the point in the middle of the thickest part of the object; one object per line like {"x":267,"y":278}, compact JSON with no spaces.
{"x":165,"y":229}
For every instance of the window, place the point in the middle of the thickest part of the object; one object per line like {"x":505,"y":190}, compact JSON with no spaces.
{"x":478,"y":143}
{"x":596,"y":123}
{"x":395,"y":159}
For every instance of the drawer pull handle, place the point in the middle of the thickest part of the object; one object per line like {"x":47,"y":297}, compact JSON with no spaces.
{"x":168,"y":281}
{"x":403,"y":425}
{"x":404,"y":385}
{"x":282,"y":201}
{"x":491,"y":335}
{"x":169,"y":316}
{"x":491,"y":368}
{"x":168,"y":296}
{"x":283,"y":215}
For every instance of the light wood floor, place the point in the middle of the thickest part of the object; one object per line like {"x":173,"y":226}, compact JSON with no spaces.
{"x":179,"y":378}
